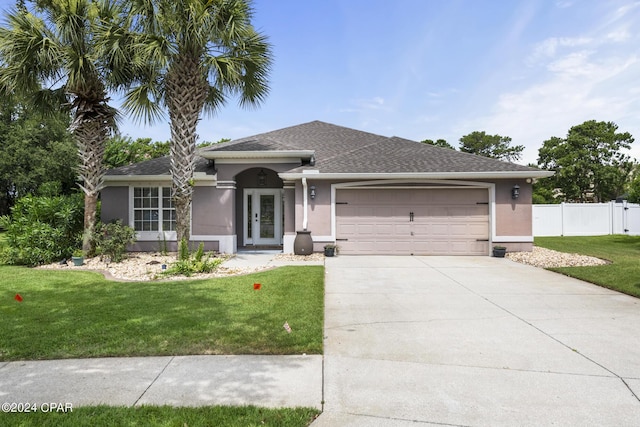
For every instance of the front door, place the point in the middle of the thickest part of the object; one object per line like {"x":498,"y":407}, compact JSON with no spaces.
{"x":262,"y":216}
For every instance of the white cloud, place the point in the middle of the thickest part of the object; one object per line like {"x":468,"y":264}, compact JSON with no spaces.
{"x":564,"y":3}
{"x":589,"y":76}
{"x":376,"y":103}
{"x":573,"y":65}
{"x":580,"y":87}
{"x":618,"y":36}
{"x":549,"y":48}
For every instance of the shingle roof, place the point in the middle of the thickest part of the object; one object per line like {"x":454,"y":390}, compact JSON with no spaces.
{"x":342,"y":150}
{"x":159,"y":166}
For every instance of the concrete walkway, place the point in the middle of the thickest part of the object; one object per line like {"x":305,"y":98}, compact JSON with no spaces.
{"x":475,"y":341}
{"x":270,"y":381}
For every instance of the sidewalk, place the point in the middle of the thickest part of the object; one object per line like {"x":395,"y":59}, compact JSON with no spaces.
{"x":270,"y":381}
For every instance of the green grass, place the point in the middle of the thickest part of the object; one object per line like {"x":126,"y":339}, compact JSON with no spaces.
{"x":165,"y":416}
{"x":623,"y":274}
{"x":80,"y":314}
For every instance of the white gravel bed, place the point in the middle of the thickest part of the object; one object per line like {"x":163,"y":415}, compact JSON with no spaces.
{"x":143,"y":266}
{"x":547,"y":258}
{"x":316,"y":256}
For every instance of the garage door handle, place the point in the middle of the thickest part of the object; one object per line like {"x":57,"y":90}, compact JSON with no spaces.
{"x":410,"y":216}
{"x":482,"y":240}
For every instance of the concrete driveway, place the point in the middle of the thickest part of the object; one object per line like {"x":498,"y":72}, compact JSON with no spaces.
{"x":470,"y":341}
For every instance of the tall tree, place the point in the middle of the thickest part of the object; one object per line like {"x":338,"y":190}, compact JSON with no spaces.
{"x":439,"y":143}
{"x":34,"y":152}
{"x":494,"y":146}
{"x":633,"y":189}
{"x":194,"y":55}
{"x":123,"y":150}
{"x":589,"y":163}
{"x":51,"y":52}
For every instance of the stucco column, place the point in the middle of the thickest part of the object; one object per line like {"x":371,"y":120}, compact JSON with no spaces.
{"x":289,"y":216}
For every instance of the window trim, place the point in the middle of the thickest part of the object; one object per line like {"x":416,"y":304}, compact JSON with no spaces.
{"x":150,"y":235}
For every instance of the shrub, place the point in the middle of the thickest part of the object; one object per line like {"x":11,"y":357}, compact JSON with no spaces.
{"x":112,"y":239}
{"x":183,"y":250}
{"x":42,"y":229}
{"x":186,"y":265}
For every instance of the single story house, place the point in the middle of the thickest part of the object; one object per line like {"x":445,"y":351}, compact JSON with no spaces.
{"x":367,"y":193}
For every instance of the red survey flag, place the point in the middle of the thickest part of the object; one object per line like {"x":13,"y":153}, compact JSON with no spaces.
{"x":257,"y":286}
{"x":18,"y":298}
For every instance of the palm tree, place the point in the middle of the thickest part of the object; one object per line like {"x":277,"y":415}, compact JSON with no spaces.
{"x":194,"y":55}
{"x":52,"y":54}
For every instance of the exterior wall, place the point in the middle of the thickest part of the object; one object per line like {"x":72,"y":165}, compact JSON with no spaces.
{"x":151,"y":246}
{"x":114,"y":204}
{"x":318,"y":212}
{"x":213,"y":211}
{"x":319,"y":208}
{"x":219,"y":211}
{"x":513,"y":217}
{"x":230,"y":171}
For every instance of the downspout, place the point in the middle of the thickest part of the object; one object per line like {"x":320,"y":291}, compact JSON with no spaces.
{"x":304,"y":203}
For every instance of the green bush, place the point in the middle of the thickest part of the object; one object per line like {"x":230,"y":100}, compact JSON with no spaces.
{"x":186,"y":265}
{"x":111,"y":240}
{"x":42,"y":229}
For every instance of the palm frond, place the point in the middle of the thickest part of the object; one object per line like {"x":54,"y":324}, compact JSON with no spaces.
{"x":143,"y":102}
{"x":215,"y":100}
{"x":48,"y":102}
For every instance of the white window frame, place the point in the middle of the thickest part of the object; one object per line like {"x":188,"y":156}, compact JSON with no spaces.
{"x":151,"y":235}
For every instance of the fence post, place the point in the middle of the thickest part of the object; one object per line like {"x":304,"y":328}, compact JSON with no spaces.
{"x":611,"y":212}
{"x":625,"y":217}
{"x":562,"y":218}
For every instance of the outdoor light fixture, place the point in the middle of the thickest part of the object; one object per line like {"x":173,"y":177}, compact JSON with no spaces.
{"x":312,"y":193}
{"x":515,"y":192}
{"x":262,"y":178}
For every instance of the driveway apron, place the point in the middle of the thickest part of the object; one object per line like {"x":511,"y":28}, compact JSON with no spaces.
{"x":471,"y":341}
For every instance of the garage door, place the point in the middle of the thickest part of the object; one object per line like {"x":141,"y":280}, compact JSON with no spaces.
{"x":413,"y":221}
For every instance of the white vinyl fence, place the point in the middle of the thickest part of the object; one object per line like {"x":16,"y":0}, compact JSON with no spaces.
{"x":586,"y":219}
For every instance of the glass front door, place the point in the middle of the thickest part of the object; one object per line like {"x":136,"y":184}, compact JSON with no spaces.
{"x":262,"y":216}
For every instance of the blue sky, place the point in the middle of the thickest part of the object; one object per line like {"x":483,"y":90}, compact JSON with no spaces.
{"x":441,"y":69}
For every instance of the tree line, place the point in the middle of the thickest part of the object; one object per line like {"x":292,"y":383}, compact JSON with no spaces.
{"x":38,"y":155}
{"x":591,"y":162}
{"x":184,"y":58}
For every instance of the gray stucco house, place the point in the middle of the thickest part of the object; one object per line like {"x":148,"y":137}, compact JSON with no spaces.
{"x":368,"y":193}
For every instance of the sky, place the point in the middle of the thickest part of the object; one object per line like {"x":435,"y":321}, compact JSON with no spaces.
{"x":431,"y":69}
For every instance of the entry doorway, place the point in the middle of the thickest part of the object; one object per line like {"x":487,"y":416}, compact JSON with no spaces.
{"x":262,"y":216}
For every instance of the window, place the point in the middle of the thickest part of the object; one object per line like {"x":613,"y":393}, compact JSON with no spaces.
{"x":153,"y":209}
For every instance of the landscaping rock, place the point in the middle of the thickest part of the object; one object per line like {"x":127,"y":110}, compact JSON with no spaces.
{"x":547,"y":258}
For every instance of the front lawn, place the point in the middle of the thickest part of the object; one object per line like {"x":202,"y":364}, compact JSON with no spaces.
{"x":623,"y":274}
{"x":66,"y":314}
{"x":160,"y":416}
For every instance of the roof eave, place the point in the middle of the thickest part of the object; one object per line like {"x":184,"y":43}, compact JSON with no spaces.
{"x":419,"y":175}
{"x":267,"y":154}
{"x":198,"y":176}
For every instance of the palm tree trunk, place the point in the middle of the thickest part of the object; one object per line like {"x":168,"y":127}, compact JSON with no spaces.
{"x":186,"y":92}
{"x":91,"y":126}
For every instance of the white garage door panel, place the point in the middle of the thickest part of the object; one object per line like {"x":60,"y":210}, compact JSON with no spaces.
{"x":454,"y":222}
